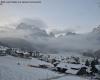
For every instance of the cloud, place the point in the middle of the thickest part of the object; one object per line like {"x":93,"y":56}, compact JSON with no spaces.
{"x":6,"y":20}
{"x":55,"y":31}
{"x":31,"y":23}
{"x":35,"y":33}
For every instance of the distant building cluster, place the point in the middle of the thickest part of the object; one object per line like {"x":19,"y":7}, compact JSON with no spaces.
{"x":70,"y":65}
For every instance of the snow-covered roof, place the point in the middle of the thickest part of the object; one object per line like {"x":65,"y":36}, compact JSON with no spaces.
{"x":71,"y":71}
{"x":3,"y":48}
{"x":98,"y":67}
{"x":62,"y":65}
{"x":77,"y":66}
{"x":19,"y":51}
{"x":69,"y":66}
{"x":37,"y":62}
{"x":25,"y":53}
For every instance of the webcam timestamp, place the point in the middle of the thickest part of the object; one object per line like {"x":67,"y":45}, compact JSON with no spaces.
{"x":19,"y":1}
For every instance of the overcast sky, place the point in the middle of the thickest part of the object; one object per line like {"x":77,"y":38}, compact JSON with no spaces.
{"x":78,"y":15}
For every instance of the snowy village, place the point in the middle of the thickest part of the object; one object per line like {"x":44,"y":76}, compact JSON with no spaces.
{"x":49,"y":39}
{"x":34,"y":65}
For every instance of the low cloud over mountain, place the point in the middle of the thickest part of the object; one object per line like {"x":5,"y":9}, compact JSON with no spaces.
{"x":31,"y":24}
{"x":32,"y":33}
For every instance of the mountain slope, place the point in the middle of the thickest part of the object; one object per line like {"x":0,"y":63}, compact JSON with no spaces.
{"x":16,"y":43}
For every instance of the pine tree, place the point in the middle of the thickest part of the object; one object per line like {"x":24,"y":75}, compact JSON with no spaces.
{"x":87,"y":63}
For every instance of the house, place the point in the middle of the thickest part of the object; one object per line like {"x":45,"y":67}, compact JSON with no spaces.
{"x":12,"y":51}
{"x":8,"y":51}
{"x":22,"y":54}
{"x":19,"y":53}
{"x":62,"y":67}
{"x":3,"y":51}
{"x":26,"y":54}
{"x":78,"y":69}
{"x":73,"y":60}
{"x":35,"y":54}
{"x":98,"y":68}
{"x":69,"y":68}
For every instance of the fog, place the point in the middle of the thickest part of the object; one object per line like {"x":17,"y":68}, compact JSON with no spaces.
{"x":34,"y":31}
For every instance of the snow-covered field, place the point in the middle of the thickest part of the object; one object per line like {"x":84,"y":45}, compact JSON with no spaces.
{"x":10,"y":70}
{"x":70,"y":78}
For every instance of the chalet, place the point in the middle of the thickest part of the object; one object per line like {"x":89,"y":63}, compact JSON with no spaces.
{"x":26,"y":55}
{"x":3,"y":51}
{"x":72,"y":68}
{"x":35,"y":54}
{"x":12,"y":51}
{"x":19,"y":53}
{"x":98,"y":68}
{"x":97,"y":75}
{"x":22,"y":54}
{"x":44,"y":57}
{"x":73,"y":60}
{"x":62,"y":67}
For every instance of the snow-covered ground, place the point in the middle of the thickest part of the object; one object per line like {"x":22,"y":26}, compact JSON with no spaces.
{"x":64,"y":54}
{"x":70,"y":78}
{"x":10,"y":70}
